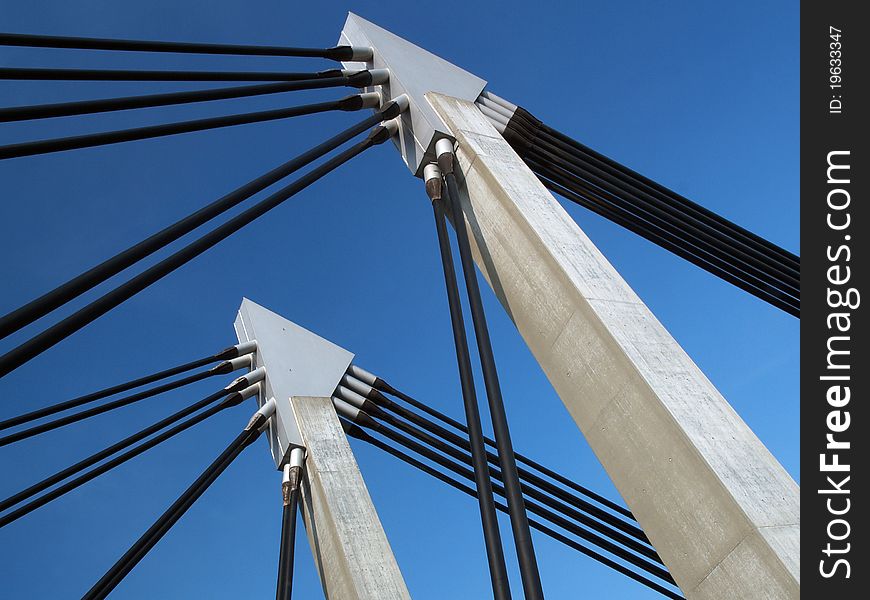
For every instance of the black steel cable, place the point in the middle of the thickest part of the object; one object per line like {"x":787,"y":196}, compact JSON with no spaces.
{"x":73,"y":288}
{"x":290,"y":493}
{"x":149,"y":539}
{"x":11,"y":438}
{"x":696,"y":234}
{"x":38,"y":74}
{"x":286,"y":553}
{"x":653,"y":210}
{"x":229,"y":353}
{"x":589,"y":199}
{"x":86,"y":107}
{"x":90,"y":140}
{"x":629,"y":541}
{"x":54,"y":334}
{"x":703,"y":256}
{"x":360,"y":434}
{"x":759,"y":256}
{"x":531,"y":577}
{"x":489,"y":520}
{"x":240,"y":384}
{"x":529,"y":479}
{"x":536,"y":128}
{"x":785,"y":256}
{"x":687,"y":227}
{"x":537,"y":136}
{"x":558,"y":519}
{"x":87,"y":43}
{"x":232,"y":400}
{"x":386,"y":388}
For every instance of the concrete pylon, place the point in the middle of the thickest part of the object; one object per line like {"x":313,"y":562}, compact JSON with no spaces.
{"x":720,"y":510}
{"x":350,"y":549}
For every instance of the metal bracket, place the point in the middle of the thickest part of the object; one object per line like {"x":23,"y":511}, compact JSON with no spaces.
{"x":297,"y":363}
{"x":415,"y":72}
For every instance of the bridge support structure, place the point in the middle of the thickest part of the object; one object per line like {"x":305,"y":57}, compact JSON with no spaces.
{"x":350,"y":548}
{"x":720,"y":510}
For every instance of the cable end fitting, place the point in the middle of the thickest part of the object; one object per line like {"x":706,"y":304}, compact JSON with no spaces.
{"x":360,"y":101}
{"x":261,"y":418}
{"x":434,"y":185}
{"x":444,"y":155}
{"x":346,"y":410}
{"x":370,"y":99}
{"x":351,"y":53}
{"x":396,"y":106}
{"x":292,"y":473}
{"x":238,"y":397}
{"x":255,"y":376}
{"x":362,"y":53}
{"x":229,"y":366}
{"x":361,"y":374}
{"x":383,"y":132}
{"x":237,"y":350}
{"x":380,"y":76}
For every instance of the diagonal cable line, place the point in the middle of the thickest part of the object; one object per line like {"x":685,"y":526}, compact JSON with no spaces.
{"x":662,"y":214}
{"x":233,"y":399}
{"x":489,"y":520}
{"x":605,"y":526}
{"x":236,"y":386}
{"x":589,"y":200}
{"x":783,"y":255}
{"x":704,"y":256}
{"x":525,"y":550}
{"x":517,"y":120}
{"x":221,"y":369}
{"x":684,"y":230}
{"x":69,"y":325}
{"x":44,"y":74}
{"x":164,"y":523}
{"x":85,"y":107}
{"x":377,"y":384}
{"x":89,"y":43}
{"x":228,"y":354}
{"x":637,"y":540}
{"x":358,"y":433}
{"x":601,"y":541}
{"x":80,"y":284}
{"x":77,"y":142}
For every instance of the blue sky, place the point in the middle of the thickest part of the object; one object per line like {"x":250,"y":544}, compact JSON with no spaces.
{"x":701,"y":96}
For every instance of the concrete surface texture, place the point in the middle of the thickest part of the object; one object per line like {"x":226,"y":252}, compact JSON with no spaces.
{"x":721,"y":511}
{"x":350,"y":548}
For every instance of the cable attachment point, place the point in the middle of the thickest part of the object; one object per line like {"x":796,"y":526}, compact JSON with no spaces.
{"x":360,"y":101}
{"x":229,"y":366}
{"x":444,"y":154}
{"x":249,"y":379}
{"x":364,"y":79}
{"x":262,"y":416}
{"x":237,"y":350}
{"x":383,"y":132}
{"x":434,"y":185}
{"x":292,"y":474}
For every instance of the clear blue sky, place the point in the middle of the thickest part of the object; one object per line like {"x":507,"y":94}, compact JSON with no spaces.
{"x":701,"y":96}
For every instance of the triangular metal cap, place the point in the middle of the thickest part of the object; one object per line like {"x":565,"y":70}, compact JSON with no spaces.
{"x":413,"y":71}
{"x":298,"y":363}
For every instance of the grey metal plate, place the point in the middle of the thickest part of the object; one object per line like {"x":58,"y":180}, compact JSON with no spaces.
{"x":413,"y":71}
{"x":297,"y":362}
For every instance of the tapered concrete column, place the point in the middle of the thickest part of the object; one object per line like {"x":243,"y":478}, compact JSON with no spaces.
{"x":350,"y":548}
{"x":721,"y":511}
